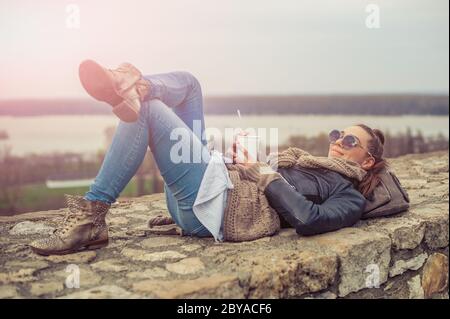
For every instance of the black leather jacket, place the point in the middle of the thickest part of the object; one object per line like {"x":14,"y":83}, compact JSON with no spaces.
{"x":315,"y":201}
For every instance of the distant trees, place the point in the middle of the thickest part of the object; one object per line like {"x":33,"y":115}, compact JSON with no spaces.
{"x":317,"y":145}
{"x":11,"y":180}
{"x":3,"y":135}
{"x":331,"y":104}
{"x":438,"y":142}
{"x":376,"y":104}
{"x":11,"y":176}
{"x":409,"y":143}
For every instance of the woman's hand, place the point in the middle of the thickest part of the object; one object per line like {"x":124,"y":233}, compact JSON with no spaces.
{"x":239,"y":153}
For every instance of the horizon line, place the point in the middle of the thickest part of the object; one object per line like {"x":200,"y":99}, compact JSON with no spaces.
{"x":435,"y":94}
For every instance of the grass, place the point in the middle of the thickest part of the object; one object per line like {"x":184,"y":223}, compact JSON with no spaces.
{"x":36,"y":197}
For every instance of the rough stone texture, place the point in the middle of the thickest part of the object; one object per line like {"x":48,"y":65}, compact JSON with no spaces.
{"x":405,"y":233}
{"x":8,"y":292}
{"x":31,"y":228}
{"x":186,"y":266}
{"x":18,"y":276}
{"x":109,"y":265}
{"x":141,"y":255}
{"x":282,"y":273}
{"x":435,"y":274}
{"x":215,"y":286}
{"x":436,"y":232}
{"x":77,"y":258}
{"x":400,"y":266}
{"x":361,"y":253}
{"x":102,"y":292}
{"x":403,"y":256}
{"x":415,"y":288}
{"x":155,"y":272}
{"x":44,"y":288}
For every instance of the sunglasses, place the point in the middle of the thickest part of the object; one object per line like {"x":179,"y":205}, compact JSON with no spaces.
{"x":349,"y":141}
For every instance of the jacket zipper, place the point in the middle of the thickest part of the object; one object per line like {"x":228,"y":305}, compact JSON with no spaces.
{"x":292,"y":186}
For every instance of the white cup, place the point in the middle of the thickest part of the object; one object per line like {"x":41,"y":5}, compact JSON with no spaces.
{"x":251,"y":143}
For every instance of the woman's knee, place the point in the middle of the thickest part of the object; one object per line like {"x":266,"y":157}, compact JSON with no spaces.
{"x":156,"y":107}
{"x":194,"y":83}
{"x":155,"y":104}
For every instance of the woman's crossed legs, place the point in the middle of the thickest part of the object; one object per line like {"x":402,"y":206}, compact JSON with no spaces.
{"x":174,"y":105}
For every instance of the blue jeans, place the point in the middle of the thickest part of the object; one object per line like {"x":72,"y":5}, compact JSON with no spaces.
{"x":175,"y":101}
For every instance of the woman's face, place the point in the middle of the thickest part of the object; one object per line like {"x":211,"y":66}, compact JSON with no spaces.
{"x":356,"y":154}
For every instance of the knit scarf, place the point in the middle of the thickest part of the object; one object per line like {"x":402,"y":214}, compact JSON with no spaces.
{"x":297,"y":157}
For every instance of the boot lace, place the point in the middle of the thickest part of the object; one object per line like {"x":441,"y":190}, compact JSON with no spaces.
{"x":75,"y":213}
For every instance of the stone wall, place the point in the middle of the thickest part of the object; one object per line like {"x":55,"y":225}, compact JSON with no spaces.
{"x":405,"y":256}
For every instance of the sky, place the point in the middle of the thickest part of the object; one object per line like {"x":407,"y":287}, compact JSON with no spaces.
{"x":234,"y":47}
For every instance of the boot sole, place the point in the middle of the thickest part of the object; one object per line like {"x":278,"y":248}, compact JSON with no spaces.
{"x":89,"y":246}
{"x":95,"y":80}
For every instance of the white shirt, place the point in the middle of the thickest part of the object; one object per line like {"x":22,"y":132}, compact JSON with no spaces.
{"x":209,"y":206}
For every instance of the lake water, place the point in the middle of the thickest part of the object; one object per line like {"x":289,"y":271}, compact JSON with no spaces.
{"x":86,"y":134}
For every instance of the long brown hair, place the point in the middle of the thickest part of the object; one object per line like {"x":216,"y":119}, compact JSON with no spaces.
{"x":376,"y":148}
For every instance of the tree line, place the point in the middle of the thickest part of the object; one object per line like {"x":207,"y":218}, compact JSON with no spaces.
{"x":376,"y":104}
{"x":408,"y":142}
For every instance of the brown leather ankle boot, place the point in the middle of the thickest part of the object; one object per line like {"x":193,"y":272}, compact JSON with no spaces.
{"x":123,"y":88}
{"x":83,"y":227}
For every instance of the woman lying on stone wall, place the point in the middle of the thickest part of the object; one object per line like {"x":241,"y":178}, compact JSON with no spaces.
{"x":231,"y":202}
